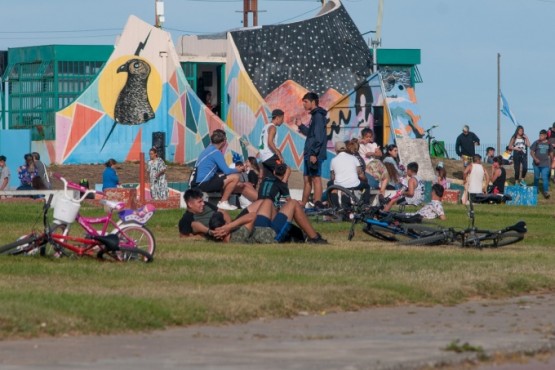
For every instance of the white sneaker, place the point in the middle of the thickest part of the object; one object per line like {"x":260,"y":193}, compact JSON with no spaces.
{"x":225,"y":205}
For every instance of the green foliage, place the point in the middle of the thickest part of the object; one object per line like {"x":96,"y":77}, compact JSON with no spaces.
{"x":193,"y":282}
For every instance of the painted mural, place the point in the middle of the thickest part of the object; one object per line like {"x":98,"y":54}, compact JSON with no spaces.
{"x":401,"y":102}
{"x":141,"y":91}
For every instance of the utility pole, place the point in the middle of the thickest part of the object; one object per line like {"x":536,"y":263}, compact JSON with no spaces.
{"x":499,"y":104}
{"x":159,"y":13}
{"x":250,"y":6}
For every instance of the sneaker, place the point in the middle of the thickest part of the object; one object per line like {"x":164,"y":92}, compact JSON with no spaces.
{"x":225,"y":205}
{"x":317,"y":240}
{"x":523,"y":183}
{"x":546,"y":195}
{"x":319,"y":205}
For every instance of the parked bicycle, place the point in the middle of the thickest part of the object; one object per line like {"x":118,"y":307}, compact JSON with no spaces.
{"x":436,"y":148}
{"x":407,"y":229}
{"x":125,"y":240}
{"x":472,"y":236}
{"x":386,"y":226}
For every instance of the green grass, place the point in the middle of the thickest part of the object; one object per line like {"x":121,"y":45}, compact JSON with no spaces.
{"x":197,"y":282}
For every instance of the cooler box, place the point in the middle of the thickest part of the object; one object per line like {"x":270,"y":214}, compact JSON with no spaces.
{"x":452,"y":196}
{"x":522,"y":195}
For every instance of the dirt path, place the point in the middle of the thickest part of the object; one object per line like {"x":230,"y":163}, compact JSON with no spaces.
{"x":383,"y":338}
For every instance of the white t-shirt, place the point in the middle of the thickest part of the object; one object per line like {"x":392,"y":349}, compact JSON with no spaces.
{"x":418,"y":196}
{"x":345,"y":167}
{"x":5,"y":173}
{"x":264,"y":151}
{"x":475,"y":179}
{"x":432,"y":210}
{"x":367,"y":148}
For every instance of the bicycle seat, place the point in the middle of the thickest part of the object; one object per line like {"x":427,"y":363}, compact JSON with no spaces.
{"x":111,"y":242}
{"x":519,"y":227}
{"x":141,"y":215}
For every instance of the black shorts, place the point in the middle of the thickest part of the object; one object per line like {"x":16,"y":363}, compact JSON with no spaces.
{"x":214,"y":185}
{"x":270,"y":165}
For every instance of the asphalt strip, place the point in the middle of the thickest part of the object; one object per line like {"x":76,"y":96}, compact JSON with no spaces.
{"x":482,"y":334}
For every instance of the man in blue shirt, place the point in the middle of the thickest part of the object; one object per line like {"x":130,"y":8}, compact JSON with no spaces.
{"x":212,"y":173}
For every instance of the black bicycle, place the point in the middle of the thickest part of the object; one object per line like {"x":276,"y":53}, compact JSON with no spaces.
{"x":483,"y":238}
{"x":436,"y":148}
{"x":386,"y":226}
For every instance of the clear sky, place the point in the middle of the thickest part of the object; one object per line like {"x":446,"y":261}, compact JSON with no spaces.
{"x":459,"y":41}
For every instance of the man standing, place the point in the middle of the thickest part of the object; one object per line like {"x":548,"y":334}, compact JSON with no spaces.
{"x":314,"y":148}
{"x":465,"y":145}
{"x":42,"y":170}
{"x":542,"y":154}
{"x":269,"y":154}
{"x":4,"y":174}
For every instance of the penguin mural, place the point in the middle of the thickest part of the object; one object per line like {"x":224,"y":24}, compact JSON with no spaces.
{"x":132,"y":105}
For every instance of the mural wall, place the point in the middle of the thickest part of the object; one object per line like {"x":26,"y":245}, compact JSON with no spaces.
{"x":401,"y":102}
{"x":142,"y":90}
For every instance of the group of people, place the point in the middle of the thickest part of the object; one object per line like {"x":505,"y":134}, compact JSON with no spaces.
{"x":542,"y":152}
{"x":32,"y":174}
{"x":271,"y":214}
{"x":155,"y":168}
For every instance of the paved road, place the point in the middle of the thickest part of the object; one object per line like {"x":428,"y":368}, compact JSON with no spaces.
{"x":383,"y":338}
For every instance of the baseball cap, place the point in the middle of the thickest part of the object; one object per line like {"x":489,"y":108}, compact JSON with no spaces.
{"x":277,"y":113}
{"x":466,"y":128}
{"x":340,"y":145}
{"x":439,"y":165}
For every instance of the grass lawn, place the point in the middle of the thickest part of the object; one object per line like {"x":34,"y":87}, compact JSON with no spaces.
{"x":197,"y":282}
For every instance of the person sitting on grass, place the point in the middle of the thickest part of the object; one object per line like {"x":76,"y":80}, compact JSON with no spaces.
{"x":414,"y":193}
{"x":434,"y":209}
{"x":274,"y":187}
{"x":498,"y":177}
{"x":195,"y":223}
{"x":345,"y":171}
{"x":271,"y":226}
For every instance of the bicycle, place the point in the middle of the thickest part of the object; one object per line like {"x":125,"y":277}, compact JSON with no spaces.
{"x":436,"y":148}
{"x":128,"y":240}
{"x":385,"y":226}
{"x":483,"y":238}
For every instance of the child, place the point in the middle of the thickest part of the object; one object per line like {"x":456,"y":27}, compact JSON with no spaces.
{"x":441,"y":175}
{"x":414,"y":194}
{"x":433,"y":209}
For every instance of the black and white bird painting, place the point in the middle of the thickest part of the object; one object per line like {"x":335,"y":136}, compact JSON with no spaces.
{"x":132,"y":105}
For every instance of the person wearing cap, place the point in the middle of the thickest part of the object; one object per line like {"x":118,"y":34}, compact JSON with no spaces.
{"x":542,"y":155}
{"x":345,"y":171}
{"x":314,"y":148}
{"x":268,"y":152}
{"x":4,"y":173}
{"x":465,"y":145}
{"x":441,"y":175}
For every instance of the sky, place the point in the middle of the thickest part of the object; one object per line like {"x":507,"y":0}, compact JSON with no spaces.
{"x":459,"y":43}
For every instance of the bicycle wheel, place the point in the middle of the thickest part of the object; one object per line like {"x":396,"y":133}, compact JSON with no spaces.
{"x":126,"y":254}
{"x":27,"y":244}
{"x":435,"y":239}
{"x":137,"y":236}
{"x":501,"y":239}
{"x":385,"y":233}
{"x":343,"y":200}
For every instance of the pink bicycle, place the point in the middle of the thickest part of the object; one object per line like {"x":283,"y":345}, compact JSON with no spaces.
{"x":125,"y":240}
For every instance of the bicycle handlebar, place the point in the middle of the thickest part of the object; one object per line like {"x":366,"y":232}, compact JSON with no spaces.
{"x":75,"y":186}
